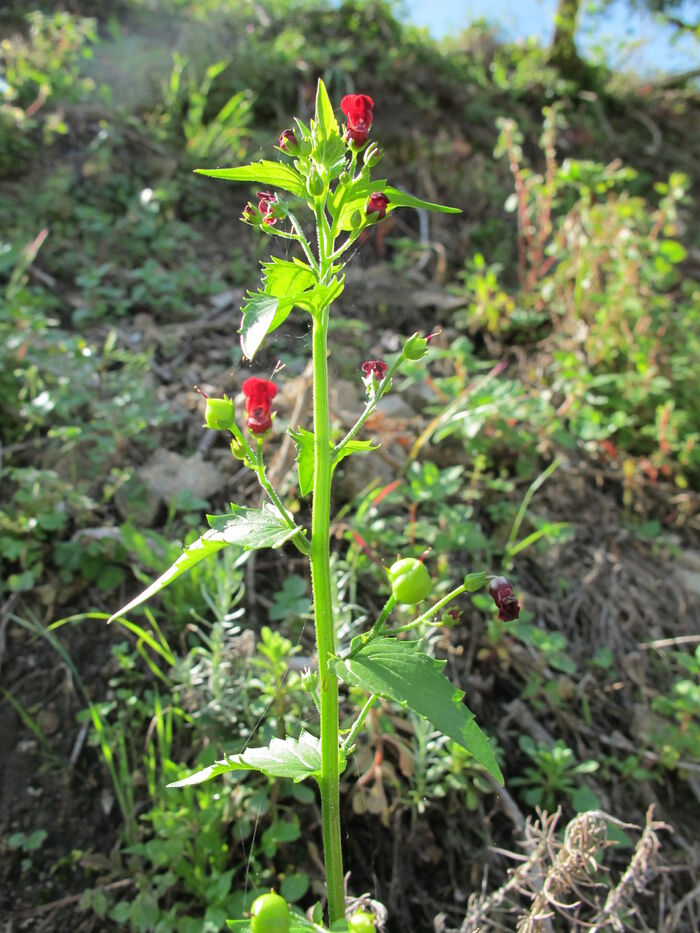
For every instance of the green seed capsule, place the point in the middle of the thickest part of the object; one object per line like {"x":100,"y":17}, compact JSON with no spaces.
{"x":314,"y":185}
{"x":269,"y":914}
{"x":415,"y":347}
{"x":361,"y":922}
{"x":410,"y":581}
{"x":220,"y":414}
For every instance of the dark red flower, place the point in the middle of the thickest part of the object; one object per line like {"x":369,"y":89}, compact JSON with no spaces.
{"x":258,"y":403}
{"x":377,"y":204}
{"x":375,"y":369}
{"x":288,"y":141}
{"x":358,"y":110}
{"x":501,"y":592}
{"x":266,"y":204}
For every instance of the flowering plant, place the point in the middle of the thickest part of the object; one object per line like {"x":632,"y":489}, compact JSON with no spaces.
{"x":330,"y":175}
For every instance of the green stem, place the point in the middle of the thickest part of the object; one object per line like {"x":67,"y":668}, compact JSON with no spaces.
{"x":304,"y":243}
{"x":440,"y":604}
{"x":357,"y":725}
{"x":383,"y":616}
{"x":299,"y":540}
{"x":323,"y":614}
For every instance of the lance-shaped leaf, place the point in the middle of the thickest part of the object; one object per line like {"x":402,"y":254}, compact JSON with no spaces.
{"x":398,"y":671}
{"x":261,"y":315}
{"x":252,"y":529}
{"x":403,"y":199}
{"x":208,"y":544}
{"x":265,"y":172}
{"x":296,"y":759}
{"x":304,"y":441}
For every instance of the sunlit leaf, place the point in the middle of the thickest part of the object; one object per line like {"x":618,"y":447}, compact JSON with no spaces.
{"x":304,"y":441}
{"x":283,"y":278}
{"x":252,"y":529}
{"x":261,"y":315}
{"x":403,"y":199}
{"x":265,"y":172}
{"x":295,"y":759}
{"x":210,"y":542}
{"x":329,"y":149}
{"x":398,"y":671}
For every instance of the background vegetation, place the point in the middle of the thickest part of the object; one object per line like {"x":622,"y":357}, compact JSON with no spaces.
{"x":556,"y":435}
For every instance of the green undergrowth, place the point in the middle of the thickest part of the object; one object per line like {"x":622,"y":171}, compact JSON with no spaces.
{"x":576,"y":263}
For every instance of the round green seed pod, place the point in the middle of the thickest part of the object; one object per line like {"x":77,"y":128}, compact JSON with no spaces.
{"x":269,"y":914}
{"x":410,"y":581}
{"x":362,"y":922}
{"x":220,"y":414}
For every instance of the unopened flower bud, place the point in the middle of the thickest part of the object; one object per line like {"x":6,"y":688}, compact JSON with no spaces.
{"x":237,"y":449}
{"x":376,"y":204}
{"x":219,"y":414}
{"x":357,"y":219}
{"x":315,"y":185}
{"x":288,"y":142}
{"x":501,"y":592}
{"x":344,"y":178}
{"x":373,"y":155}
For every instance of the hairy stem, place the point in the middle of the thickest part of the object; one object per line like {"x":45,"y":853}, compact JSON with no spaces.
{"x":323,"y":614}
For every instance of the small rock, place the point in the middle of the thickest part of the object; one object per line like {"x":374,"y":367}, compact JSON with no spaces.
{"x":49,"y":723}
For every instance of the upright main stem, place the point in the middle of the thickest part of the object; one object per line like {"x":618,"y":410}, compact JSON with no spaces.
{"x":323,"y":613}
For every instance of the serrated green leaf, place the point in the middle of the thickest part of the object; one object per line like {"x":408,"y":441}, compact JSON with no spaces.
{"x":261,"y":315}
{"x":304,"y":441}
{"x":252,"y":529}
{"x":265,"y":173}
{"x":398,"y":671}
{"x":283,"y":278}
{"x":321,"y":296}
{"x":403,"y":199}
{"x":355,"y":447}
{"x":208,"y":544}
{"x":328,"y":148}
{"x":296,"y":759}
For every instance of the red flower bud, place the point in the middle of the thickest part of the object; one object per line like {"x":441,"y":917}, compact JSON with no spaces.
{"x":377,"y":204}
{"x":375,"y":369}
{"x":358,"y":110}
{"x":501,"y":592}
{"x":288,"y":141}
{"x":258,"y":404}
